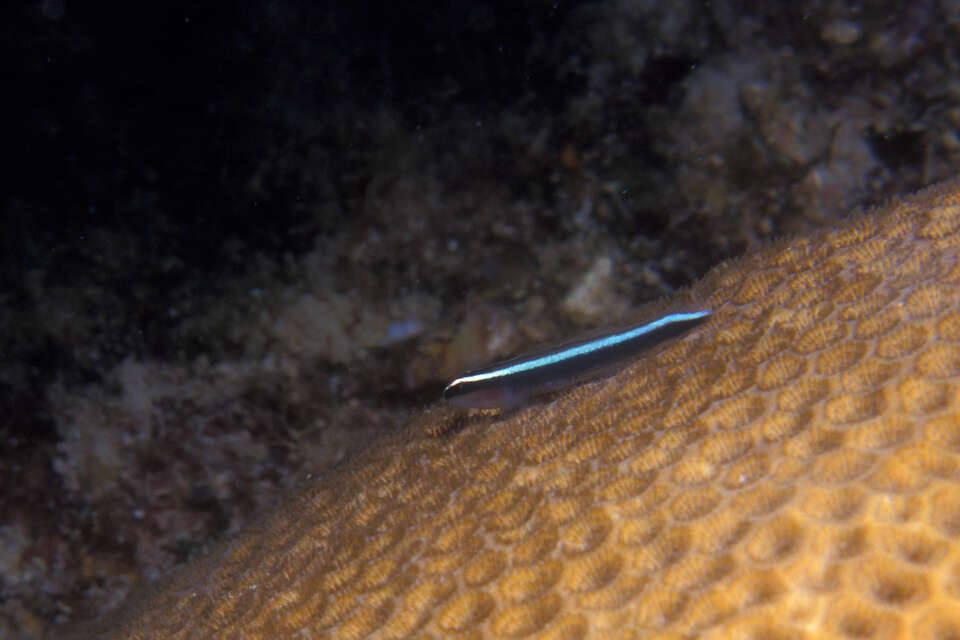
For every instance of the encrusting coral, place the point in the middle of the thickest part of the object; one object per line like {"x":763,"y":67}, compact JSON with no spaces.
{"x":791,"y":469}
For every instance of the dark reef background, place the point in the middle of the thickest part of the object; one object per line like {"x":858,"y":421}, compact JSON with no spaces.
{"x":240,"y":242}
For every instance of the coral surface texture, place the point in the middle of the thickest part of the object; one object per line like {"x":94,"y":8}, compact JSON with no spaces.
{"x":790,"y":469}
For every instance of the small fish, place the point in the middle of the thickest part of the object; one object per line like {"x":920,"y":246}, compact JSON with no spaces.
{"x":511,"y":382}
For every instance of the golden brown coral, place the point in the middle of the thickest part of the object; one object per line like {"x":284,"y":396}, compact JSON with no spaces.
{"x":791,"y":469}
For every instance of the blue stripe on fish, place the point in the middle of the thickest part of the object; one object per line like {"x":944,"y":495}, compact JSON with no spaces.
{"x":510,"y":382}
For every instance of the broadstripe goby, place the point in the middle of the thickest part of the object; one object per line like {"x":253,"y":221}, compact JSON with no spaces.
{"x":511,"y":382}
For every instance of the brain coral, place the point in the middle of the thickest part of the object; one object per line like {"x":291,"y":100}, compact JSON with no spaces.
{"x":791,"y":469}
